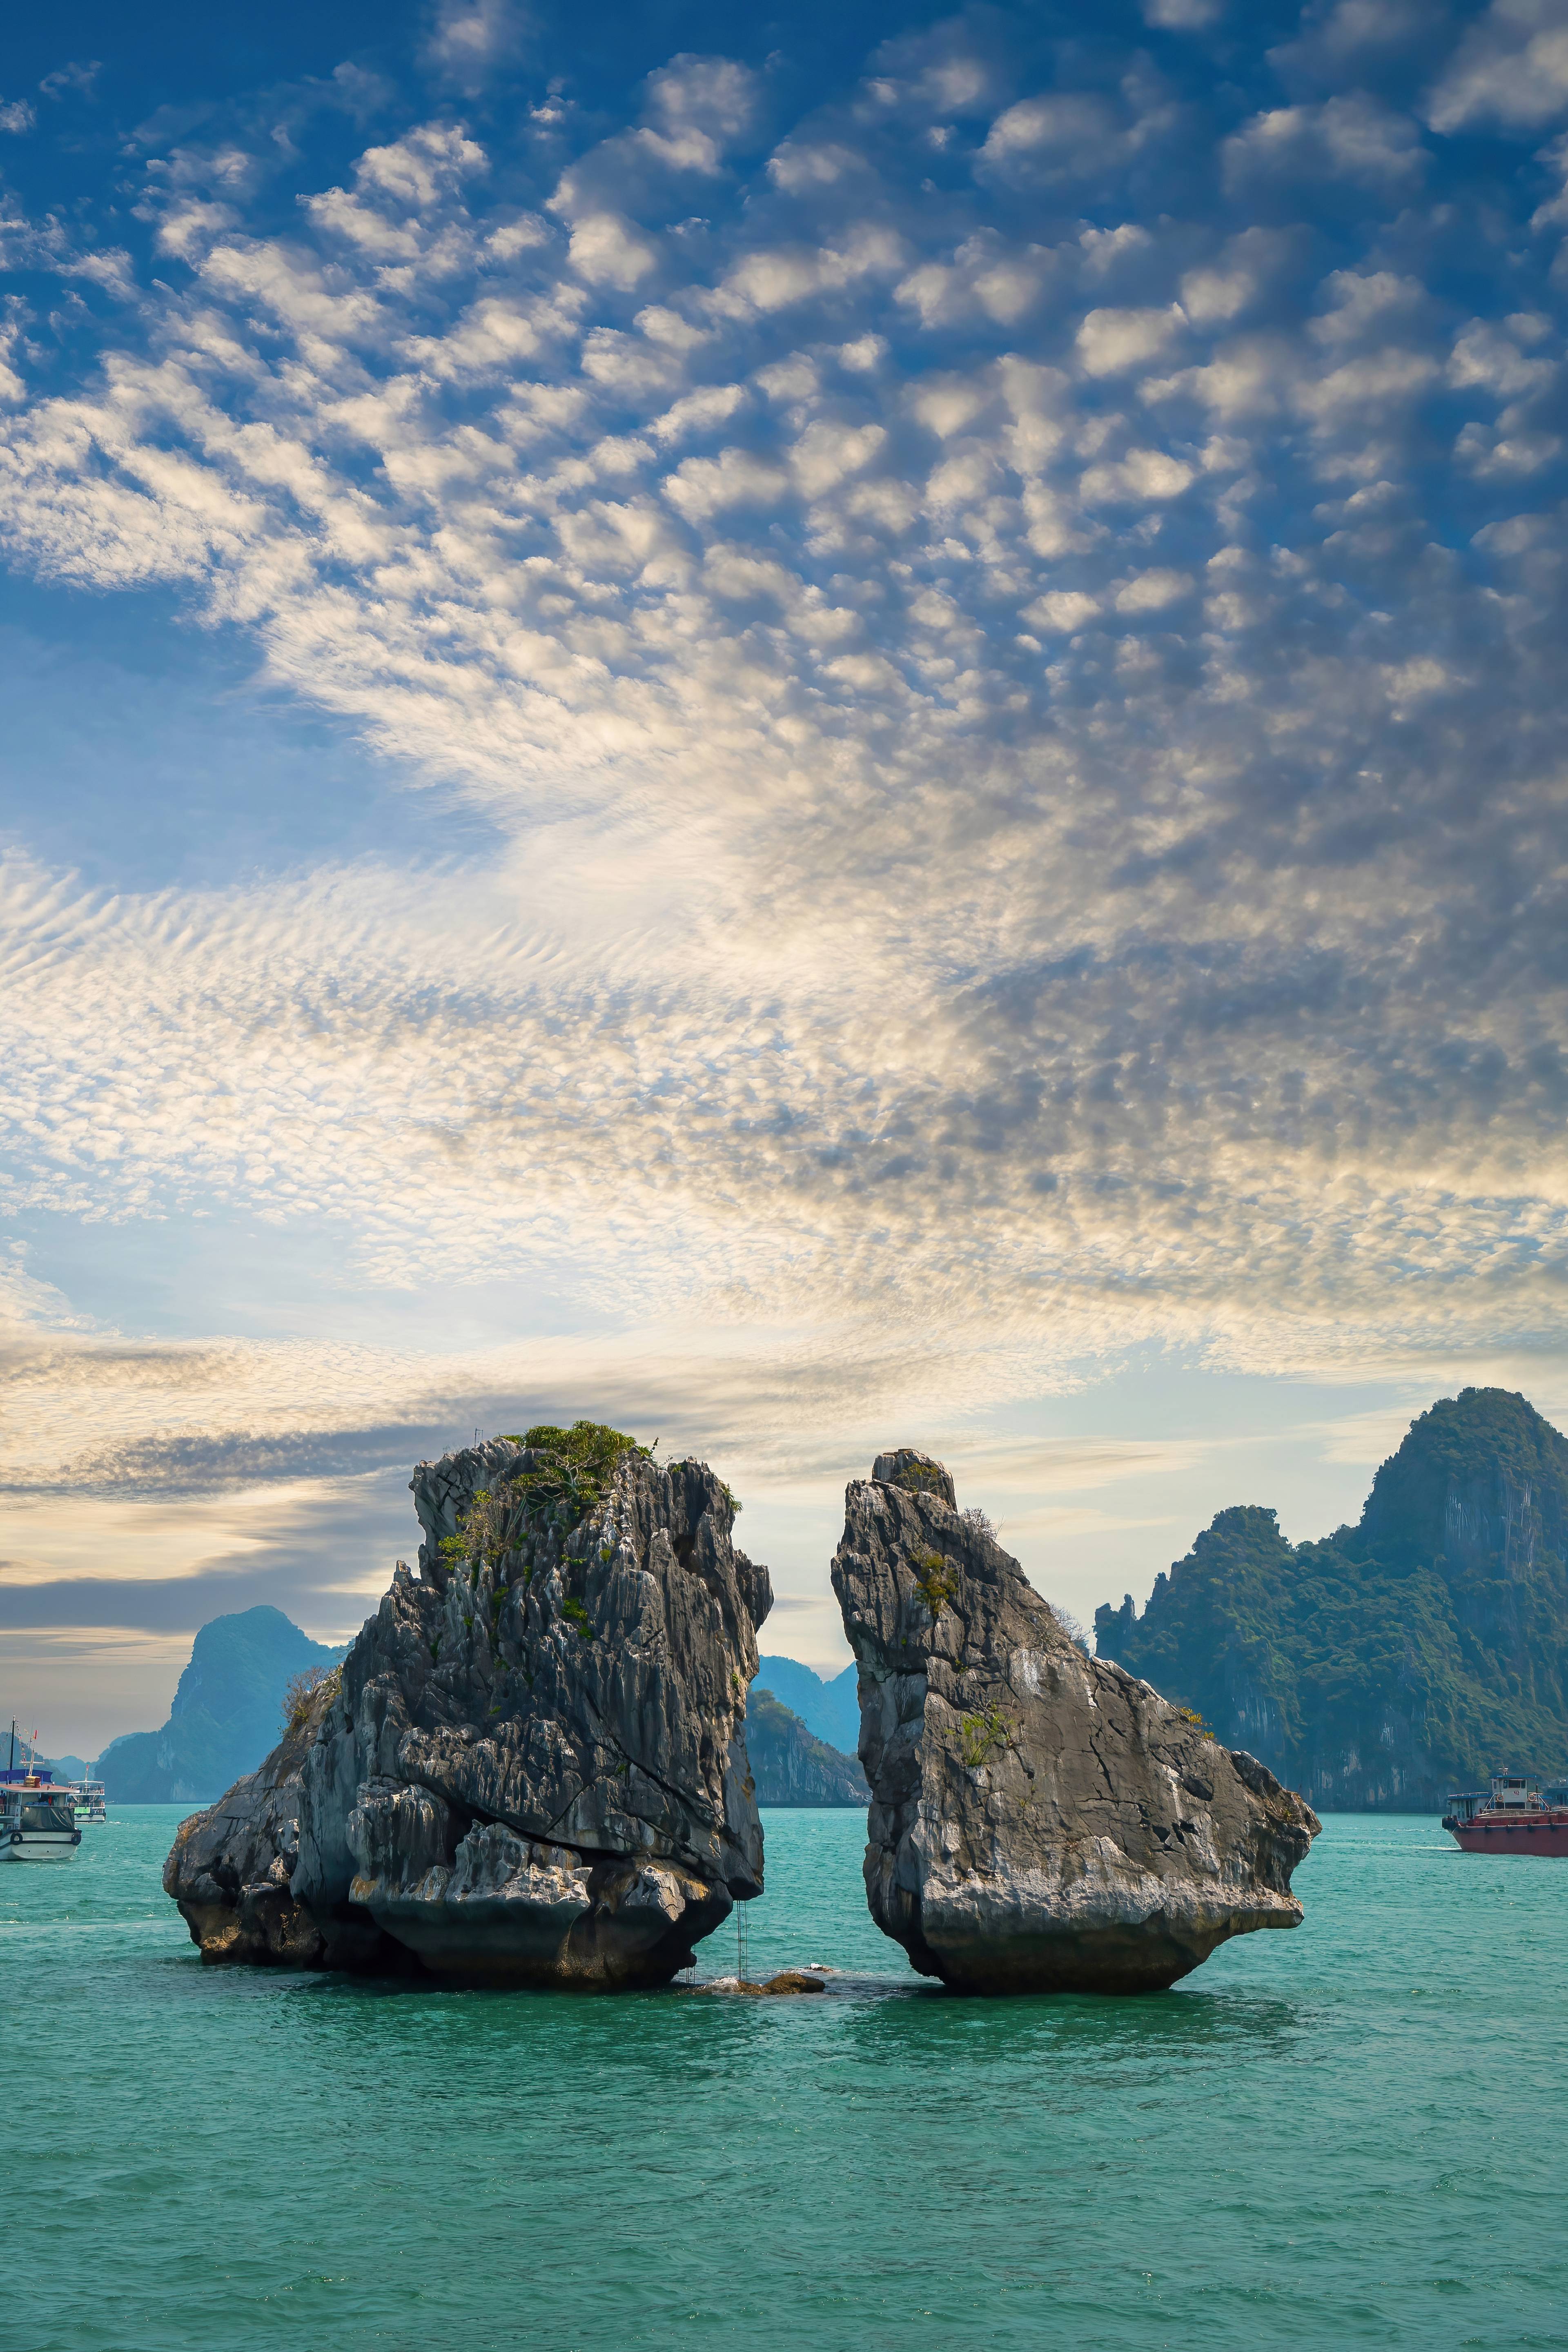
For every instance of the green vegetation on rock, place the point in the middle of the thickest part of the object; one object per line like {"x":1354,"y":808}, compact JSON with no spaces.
{"x":1392,"y":1662}
{"x":574,"y":1468}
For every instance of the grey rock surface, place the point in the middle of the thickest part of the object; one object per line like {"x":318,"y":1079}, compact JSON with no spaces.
{"x":230,"y":1868}
{"x":1040,"y":1821}
{"x":535,"y":1769}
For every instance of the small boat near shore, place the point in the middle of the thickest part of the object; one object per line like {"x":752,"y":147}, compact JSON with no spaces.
{"x":1514,"y":1816}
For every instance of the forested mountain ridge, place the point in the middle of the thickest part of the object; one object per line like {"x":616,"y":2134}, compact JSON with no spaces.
{"x":1416,"y":1653}
{"x":791,"y":1766}
{"x":224,"y":1716}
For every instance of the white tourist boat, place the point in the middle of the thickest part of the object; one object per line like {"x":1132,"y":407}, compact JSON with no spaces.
{"x":88,"y":1796}
{"x":37,"y":1821}
{"x":38,"y":1816}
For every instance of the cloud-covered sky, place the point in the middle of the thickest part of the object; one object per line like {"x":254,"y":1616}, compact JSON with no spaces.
{"x":822,"y":731}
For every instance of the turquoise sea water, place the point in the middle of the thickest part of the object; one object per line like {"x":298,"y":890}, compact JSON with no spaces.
{"x":1351,"y":2135}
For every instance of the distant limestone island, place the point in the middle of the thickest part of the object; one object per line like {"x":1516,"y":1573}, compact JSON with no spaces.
{"x":225,"y":1715}
{"x":1414,"y":1653}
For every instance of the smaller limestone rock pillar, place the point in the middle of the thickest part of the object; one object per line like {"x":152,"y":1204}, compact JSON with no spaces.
{"x":1040,"y":1822}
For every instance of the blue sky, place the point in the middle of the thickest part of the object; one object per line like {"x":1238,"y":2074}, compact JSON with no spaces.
{"x":812,"y":731}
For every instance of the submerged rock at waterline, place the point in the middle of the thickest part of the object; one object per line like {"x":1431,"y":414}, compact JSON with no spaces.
{"x":534,"y":1771}
{"x":1040,"y":1822}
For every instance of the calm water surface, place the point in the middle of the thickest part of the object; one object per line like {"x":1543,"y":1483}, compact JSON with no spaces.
{"x":1353,"y":2135}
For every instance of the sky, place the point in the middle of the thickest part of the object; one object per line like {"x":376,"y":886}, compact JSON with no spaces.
{"x":806,"y":731}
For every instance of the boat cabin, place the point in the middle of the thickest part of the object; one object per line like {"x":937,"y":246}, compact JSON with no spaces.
{"x":1514,"y":1791}
{"x":35,"y":1804}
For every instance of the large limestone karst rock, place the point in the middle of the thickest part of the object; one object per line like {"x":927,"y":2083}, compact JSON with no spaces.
{"x":534,"y":1771}
{"x":1040,"y":1822}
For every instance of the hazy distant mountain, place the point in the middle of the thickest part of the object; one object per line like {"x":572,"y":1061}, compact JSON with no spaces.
{"x":791,"y":1766}
{"x":59,"y":1768}
{"x":1418,"y":1652}
{"x":830,"y":1710}
{"x":225,"y":1715}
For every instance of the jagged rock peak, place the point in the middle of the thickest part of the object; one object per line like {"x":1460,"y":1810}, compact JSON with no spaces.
{"x":1478,"y":1477}
{"x":535,"y":1768}
{"x":1040,"y":1822}
{"x":916,"y":1472}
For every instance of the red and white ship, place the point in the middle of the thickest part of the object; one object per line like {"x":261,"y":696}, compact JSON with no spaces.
{"x":1516,"y":1816}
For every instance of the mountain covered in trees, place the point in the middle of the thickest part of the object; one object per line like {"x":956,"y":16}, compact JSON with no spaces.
{"x":1417,"y":1652}
{"x":225,"y":1715}
{"x":830,"y":1710}
{"x":791,"y":1766}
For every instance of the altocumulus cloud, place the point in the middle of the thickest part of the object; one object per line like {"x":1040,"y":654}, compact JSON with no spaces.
{"x":1006,"y":625}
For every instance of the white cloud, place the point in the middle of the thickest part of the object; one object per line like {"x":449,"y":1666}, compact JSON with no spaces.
{"x":698,"y":412}
{"x":945,"y":405}
{"x":1365,"y":303}
{"x":797,"y":167}
{"x":1049,"y":138}
{"x":1142,"y":477}
{"x":1512,"y":67}
{"x":428,"y":165}
{"x":1483,"y":356}
{"x":776,"y":278}
{"x":1062,"y":611}
{"x":472,"y":38}
{"x":704,"y":486}
{"x":1152,"y":591}
{"x":1109,"y":342}
{"x":827,"y":454}
{"x":1351,"y":138}
{"x":1213,"y":296}
{"x":609,"y":251}
{"x":712,"y":98}
{"x":80,"y":75}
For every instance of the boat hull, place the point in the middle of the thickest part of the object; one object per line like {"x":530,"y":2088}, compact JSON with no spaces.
{"x":1547,"y":1836}
{"x":41,"y":1845}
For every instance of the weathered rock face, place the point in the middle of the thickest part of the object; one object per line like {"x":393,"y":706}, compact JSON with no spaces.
{"x":535,"y":1771}
{"x":230,"y":1867}
{"x":1040,"y":1822}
